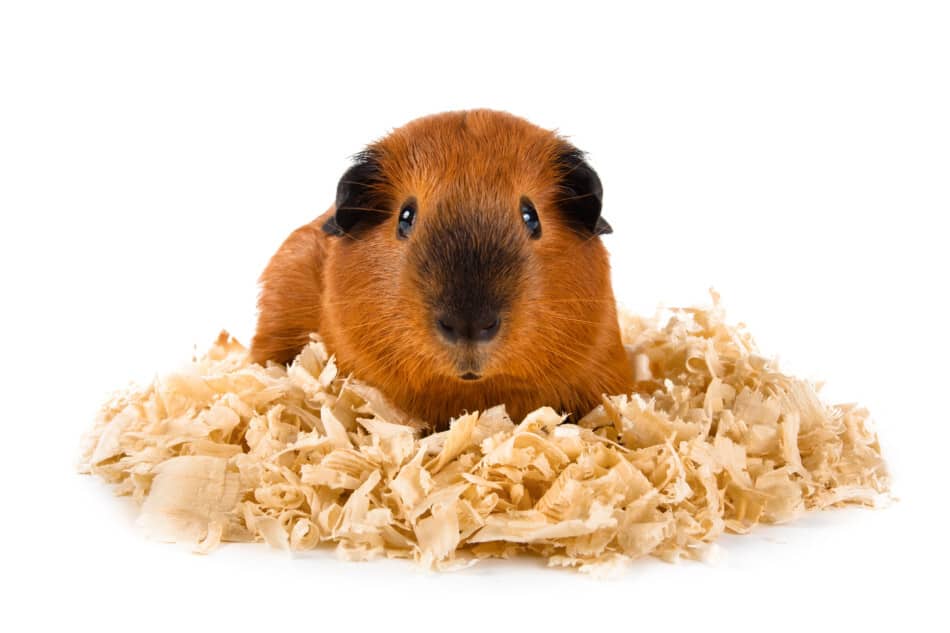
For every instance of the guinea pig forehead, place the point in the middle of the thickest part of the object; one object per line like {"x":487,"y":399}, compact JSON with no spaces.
{"x":487,"y":169}
{"x":450,"y":190}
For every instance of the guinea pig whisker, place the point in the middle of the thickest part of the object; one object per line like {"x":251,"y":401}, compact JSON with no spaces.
{"x":303,"y":309}
{"x":343,"y":302}
{"x":584,"y":236}
{"x":299,"y":336}
{"x":386,"y":362}
{"x":572,"y":355}
{"x":369,"y":209}
{"x":564,"y":307}
{"x":356,"y":324}
{"x":351,"y":236}
{"x":569,"y":198}
{"x":373,"y":346}
{"x":380,"y":342}
{"x":561,"y":317}
{"x":577,"y":311}
{"x":575,"y":300}
{"x":373,"y":330}
{"x":570,"y":351}
{"x":577,"y":165}
{"x":539,"y":373}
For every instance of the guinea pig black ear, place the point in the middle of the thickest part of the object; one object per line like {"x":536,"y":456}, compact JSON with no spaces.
{"x":582,"y":194}
{"x":358,"y":197}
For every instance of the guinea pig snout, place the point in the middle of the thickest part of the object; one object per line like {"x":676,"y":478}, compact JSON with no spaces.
{"x":466,"y":327}
{"x":468,"y":272}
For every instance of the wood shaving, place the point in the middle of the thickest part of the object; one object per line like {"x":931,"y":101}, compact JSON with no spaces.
{"x":714,"y":439}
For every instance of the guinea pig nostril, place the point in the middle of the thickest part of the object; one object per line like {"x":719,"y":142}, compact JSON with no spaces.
{"x":455,"y":328}
{"x":488,"y":330}
{"x":447,"y":328}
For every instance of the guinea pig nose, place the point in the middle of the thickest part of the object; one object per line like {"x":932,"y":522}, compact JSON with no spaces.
{"x":487,"y":327}
{"x":455,"y":328}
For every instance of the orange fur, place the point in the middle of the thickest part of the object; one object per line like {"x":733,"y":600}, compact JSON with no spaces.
{"x":560,"y":342}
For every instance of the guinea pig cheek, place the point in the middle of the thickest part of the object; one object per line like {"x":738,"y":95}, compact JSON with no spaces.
{"x":517,"y":347}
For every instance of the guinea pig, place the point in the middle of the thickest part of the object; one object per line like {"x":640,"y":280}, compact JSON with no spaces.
{"x":461,"y":267}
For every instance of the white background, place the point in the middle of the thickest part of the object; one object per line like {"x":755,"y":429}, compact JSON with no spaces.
{"x":152,"y":157}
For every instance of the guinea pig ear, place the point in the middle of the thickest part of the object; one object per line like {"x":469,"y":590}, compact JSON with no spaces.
{"x":582,"y":194}
{"x":358,"y":197}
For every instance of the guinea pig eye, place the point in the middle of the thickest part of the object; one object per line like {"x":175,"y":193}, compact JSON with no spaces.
{"x":530,"y":217}
{"x":407,"y":216}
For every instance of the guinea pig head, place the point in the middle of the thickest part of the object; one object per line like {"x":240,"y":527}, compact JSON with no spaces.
{"x":465,"y":262}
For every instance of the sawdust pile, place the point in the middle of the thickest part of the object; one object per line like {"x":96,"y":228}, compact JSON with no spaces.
{"x":715,"y":438}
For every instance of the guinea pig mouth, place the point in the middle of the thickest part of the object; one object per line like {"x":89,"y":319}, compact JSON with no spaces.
{"x":467,"y":366}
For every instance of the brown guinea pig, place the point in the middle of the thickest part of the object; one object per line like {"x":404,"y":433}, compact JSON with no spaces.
{"x":461,"y":267}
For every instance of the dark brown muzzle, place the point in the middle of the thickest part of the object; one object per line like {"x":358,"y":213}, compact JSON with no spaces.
{"x":468,"y":266}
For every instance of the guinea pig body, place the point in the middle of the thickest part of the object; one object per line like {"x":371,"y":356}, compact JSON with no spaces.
{"x":460,"y":268}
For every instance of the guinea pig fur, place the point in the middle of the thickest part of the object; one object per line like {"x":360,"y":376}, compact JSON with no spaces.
{"x":461,"y":267}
